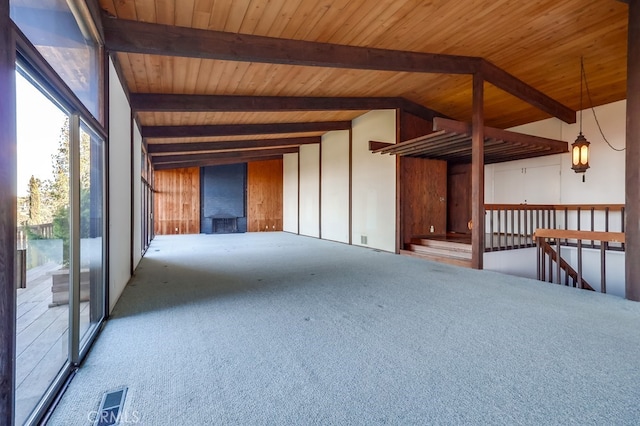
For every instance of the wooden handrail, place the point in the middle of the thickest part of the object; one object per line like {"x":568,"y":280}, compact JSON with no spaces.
{"x":519,"y":207}
{"x":611,"y":207}
{"x":610,"y":237}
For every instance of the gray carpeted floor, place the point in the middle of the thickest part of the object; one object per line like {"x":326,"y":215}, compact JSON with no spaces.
{"x":277,"y":329}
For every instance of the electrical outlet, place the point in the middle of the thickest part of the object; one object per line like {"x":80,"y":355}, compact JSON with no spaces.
{"x":432,"y":229}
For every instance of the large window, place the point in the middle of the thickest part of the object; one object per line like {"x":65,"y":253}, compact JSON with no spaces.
{"x":56,"y":29}
{"x":147,"y":200}
{"x":61,"y":246}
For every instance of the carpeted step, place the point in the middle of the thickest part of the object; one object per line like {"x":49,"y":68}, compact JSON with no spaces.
{"x":457,"y":261}
{"x":440,"y":251}
{"x":451,"y":245}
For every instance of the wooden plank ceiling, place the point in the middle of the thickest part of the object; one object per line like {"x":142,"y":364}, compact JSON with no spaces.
{"x":532,"y":48}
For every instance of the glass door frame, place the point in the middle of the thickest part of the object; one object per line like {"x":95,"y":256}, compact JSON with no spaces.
{"x":39,"y":71}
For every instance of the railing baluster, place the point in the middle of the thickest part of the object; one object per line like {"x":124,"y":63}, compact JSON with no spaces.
{"x":566,"y":222}
{"x":513,"y":229}
{"x":538,"y":259}
{"x":592,"y":225}
{"x":526,"y":229}
{"x":622,"y":225}
{"x":491,"y":229}
{"x":550,"y":262}
{"x":531,"y":229}
{"x":506,"y":229}
{"x":579,"y":263}
{"x":558,"y":259}
{"x":603,"y":268}
{"x":519,"y":229}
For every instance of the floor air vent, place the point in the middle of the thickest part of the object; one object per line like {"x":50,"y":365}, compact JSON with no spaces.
{"x":111,"y":408}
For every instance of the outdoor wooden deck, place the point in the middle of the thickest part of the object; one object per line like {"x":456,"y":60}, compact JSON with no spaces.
{"x":41,"y":338}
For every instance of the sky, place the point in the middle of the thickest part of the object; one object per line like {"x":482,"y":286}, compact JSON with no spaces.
{"x":39,"y":122}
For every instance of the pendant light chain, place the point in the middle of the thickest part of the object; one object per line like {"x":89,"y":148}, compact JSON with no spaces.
{"x":586,"y":85}
{"x":581,"y":85}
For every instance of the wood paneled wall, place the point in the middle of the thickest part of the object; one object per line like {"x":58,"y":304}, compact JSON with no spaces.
{"x":424,"y":197}
{"x":422,"y":186}
{"x":264,"y":196}
{"x":177,"y":201}
{"x":459,"y":198}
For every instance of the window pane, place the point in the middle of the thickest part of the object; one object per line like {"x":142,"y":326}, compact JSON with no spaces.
{"x":91,"y":229}
{"x":43,"y":245}
{"x":68,"y":47}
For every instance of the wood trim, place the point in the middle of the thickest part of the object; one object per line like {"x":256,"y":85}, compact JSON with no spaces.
{"x":375,"y":145}
{"x":298,"y":192}
{"x":227,"y":154}
{"x":175,"y":148}
{"x":350,"y":186}
{"x":611,"y":237}
{"x":632,"y":159}
{"x":131,"y":188}
{"x":8,"y":220}
{"x":241,"y":129}
{"x":107,"y":175}
{"x":320,"y":190}
{"x":156,"y":39}
{"x":559,"y":207}
{"x":213,"y":162}
{"x":500,"y":134}
{"x":399,"y":211}
{"x":477,"y":173}
{"x":95,"y":11}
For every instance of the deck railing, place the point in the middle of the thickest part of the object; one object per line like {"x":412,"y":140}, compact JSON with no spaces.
{"x":511,"y":226}
{"x":552,"y":267}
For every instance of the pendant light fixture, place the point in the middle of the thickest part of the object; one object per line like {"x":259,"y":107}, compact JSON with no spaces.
{"x":580,"y":148}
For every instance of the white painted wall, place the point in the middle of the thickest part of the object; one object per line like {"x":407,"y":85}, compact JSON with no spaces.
{"x":374,"y":181}
{"x":119,"y":188}
{"x":551,"y":180}
{"x":137,"y":196}
{"x":309,"y":158}
{"x":335,"y":186}
{"x":290,"y":193}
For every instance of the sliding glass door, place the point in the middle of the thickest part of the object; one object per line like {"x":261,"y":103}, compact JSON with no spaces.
{"x":61,"y":246}
{"x":92,"y":231}
{"x":42,"y":306}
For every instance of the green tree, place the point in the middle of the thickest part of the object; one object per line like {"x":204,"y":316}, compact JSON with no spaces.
{"x":35,"y":217}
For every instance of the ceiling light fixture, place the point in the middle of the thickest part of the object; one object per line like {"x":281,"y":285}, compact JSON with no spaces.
{"x":580,"y":148}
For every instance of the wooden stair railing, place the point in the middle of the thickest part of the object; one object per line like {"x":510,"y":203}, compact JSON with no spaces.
{"x":569,"y":272}
{"x":545,"y":250}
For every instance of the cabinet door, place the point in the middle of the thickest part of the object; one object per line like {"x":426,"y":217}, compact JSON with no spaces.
{"x":530,"y":185}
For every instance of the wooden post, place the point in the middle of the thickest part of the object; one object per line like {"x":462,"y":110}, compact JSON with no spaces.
{"x":632,"y":181}
{"x":477,"y":173}
{"x":8,"y":208}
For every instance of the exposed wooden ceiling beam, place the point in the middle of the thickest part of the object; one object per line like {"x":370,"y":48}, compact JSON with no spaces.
{"x":518,"y":88}
{"x":241,"y":129}
{"x":164,"y":102}
{"x":214,"y":162}
{"x":174,"y":148}
{"x":156,"y":39}
{"x":219,"y":155}
{"x":152,"y":102}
